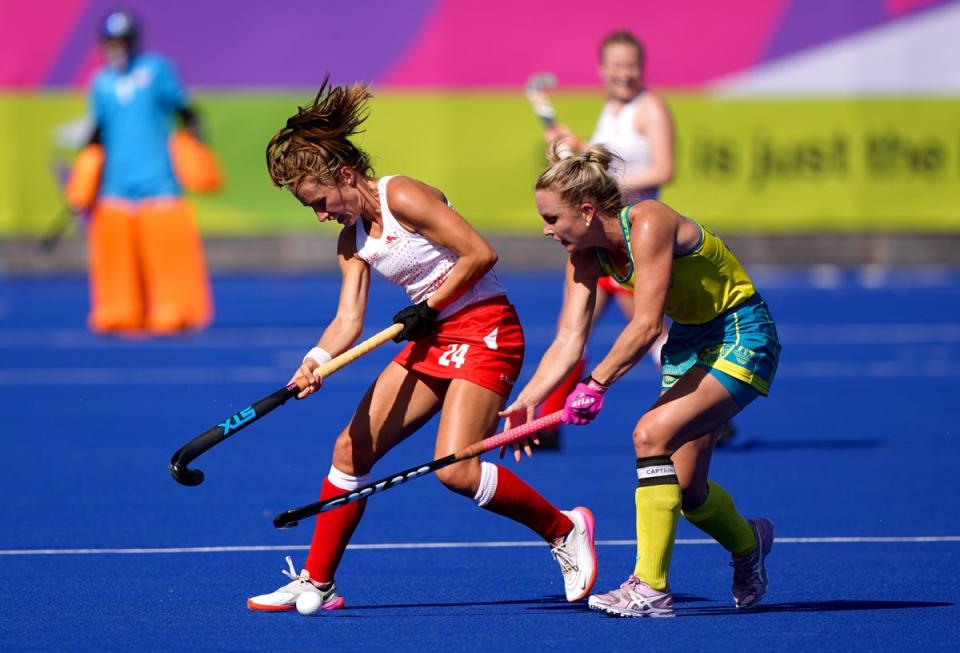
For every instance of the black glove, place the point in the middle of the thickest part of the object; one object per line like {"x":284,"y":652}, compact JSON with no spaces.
{"x":417,"y":320}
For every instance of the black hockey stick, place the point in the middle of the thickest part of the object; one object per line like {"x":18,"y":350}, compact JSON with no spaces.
{"x":291,"y":518}
{"x":213,"y":436}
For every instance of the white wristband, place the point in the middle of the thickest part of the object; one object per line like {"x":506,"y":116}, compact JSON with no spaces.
{"x":320,"y":355}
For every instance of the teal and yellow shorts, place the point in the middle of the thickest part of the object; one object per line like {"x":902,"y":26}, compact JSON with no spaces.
{"x":739,"y":347}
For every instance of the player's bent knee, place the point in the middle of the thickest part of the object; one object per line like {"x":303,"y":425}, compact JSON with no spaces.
{"x":349,"y":458}
{"x":649,"y":440}
{"x":462,"y":478}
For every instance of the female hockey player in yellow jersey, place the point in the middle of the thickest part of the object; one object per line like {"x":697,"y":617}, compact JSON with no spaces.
{"x":721,"y":353}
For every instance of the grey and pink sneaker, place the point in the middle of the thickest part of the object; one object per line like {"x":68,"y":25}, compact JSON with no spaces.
{"x":749,"y":571}
{"x":285,"y":598}
{"x":634,"y":598}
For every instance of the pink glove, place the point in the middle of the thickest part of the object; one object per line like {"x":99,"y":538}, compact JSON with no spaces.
{"x":584,"y":403}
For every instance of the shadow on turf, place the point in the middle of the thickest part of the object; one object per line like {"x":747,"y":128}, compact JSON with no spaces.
{"x":552,"y":603}
{"x":800,"y":445}
{"x":837,"y":605}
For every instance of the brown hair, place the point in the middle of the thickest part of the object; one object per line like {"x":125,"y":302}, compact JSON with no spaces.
{"x":315,"y":142}
{"x":584,"y":176}
{"x":623,"y":37}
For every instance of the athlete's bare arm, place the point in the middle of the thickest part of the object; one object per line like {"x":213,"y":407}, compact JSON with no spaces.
{"x":573,"y":328}
{"x":420,"y":208}
{"x":560,"y":132}
{"x":653,"y":235}
{"x":653,"y":120}
{"x":347,"y":324}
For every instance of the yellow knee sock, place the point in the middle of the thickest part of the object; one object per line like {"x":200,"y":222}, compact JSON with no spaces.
{"x":718,"y":518}
{"x":658,"y":509}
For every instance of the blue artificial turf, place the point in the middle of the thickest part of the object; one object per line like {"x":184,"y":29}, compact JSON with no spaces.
{"x":858,"y":439}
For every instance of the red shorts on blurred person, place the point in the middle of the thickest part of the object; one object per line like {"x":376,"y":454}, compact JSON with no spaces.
{"x":610,"y":285}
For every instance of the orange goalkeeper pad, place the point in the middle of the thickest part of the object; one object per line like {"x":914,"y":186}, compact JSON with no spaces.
{"x":194,"y":163}
{"x":84,"y":180}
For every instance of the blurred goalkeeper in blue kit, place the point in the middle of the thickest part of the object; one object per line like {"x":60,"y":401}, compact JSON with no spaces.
{"x":147,"y":269}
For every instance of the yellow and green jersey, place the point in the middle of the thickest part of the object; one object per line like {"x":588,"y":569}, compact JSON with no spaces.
{"x":704,"y":283}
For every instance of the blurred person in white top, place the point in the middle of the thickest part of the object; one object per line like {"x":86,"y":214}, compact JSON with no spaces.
{"x":635,"y":124}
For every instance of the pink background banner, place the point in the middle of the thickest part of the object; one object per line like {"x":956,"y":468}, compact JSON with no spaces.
{"x":432,"y":43}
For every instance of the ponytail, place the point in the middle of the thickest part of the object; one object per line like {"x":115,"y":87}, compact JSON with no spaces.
{"x":577,"y":177}
{"x":315,"y":142}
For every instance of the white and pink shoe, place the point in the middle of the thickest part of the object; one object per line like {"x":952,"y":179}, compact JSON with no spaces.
{"x":750,"y":571}
{"x":285,"y":598}
{"x":576,"y":555}
{"x":634,"y":598}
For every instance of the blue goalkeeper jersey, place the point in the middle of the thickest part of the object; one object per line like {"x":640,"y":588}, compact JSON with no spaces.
{"x":135,"y":112}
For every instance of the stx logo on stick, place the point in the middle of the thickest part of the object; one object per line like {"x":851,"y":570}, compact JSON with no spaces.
{"x":236,"y":421}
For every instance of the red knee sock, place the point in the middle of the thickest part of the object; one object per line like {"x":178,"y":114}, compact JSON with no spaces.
{"x":331,"y":534}
{"x":520,"y":502}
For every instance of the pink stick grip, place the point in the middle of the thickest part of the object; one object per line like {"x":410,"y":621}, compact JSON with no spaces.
{"x":522,"y":431}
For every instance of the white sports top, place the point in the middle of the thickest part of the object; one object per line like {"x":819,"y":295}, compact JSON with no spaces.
{"x":618,"y":133}
{"x":416,"y":263}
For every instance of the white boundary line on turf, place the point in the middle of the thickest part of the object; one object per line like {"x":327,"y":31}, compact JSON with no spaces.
{"x":460,"y":545}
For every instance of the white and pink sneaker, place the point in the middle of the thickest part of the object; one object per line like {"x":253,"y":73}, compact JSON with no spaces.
{"x":576,"y":555}
{"x":285,"y":598}
{"x":750,"y":571}
{"x":634,"y":598}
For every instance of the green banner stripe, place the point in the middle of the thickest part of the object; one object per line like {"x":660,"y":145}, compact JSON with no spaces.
{"x":742,"y":166}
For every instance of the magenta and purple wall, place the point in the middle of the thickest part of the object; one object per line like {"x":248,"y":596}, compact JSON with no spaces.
{"x":431,"y":43}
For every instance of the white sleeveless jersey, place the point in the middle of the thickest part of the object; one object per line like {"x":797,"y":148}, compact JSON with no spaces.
{"x":416,"y":263}
{"x":618,"y":133}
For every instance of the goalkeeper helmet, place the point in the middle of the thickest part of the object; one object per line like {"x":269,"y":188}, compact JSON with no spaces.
{"x":120,"y":25}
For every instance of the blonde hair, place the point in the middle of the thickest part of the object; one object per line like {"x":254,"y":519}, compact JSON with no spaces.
{"x":584,"y":176}
{"x":315,"y":142}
